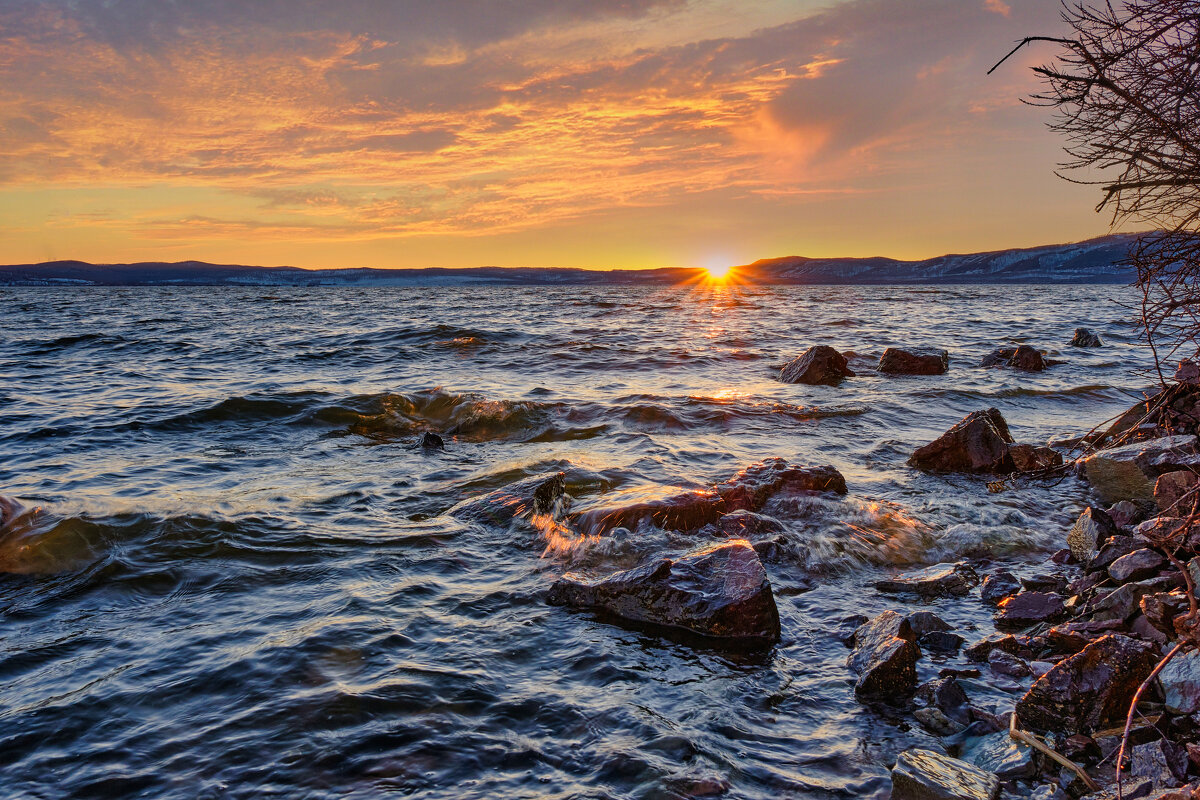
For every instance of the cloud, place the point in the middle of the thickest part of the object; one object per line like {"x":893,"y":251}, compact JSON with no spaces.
{"x":372,"y":117}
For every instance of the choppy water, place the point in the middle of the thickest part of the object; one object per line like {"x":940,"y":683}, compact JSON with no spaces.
{"x":243,"y":582}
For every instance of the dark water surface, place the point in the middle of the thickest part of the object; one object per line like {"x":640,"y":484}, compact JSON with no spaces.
{"x":243,"y":582}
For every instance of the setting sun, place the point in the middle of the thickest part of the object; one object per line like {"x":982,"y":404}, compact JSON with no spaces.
{"x":718,"y":273}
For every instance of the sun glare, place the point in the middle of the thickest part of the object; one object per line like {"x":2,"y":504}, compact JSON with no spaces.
{"x":718,"y":273}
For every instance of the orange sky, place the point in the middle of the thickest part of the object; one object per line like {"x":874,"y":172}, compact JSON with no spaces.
{"x":593,"y":133}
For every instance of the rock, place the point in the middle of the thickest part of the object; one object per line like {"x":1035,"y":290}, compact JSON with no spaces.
{"x":1131,"y":789}
{"x":1028,"y":458}
{"x":923,"y":622}
{"x":1120,"y":604}
{"x":1161,"y":608}
{"x":1124,"y":513}
{"x":885,"y":656}
{"x":1115,"y":548}
{"x":1173,"y":491}
{"x":1029,"y":608}
{"x":431,"y":441}
{"x":948,"y":697}
{"x":1007,"y":664}
{"x":847,"y":626}
{"x":1163,"y":762}
{"x":772,"y":550}
{"x":1045,"y":583}
{"x":940,"y":580}
{"x":997,"y":641}
{"x":941,"y":642}
{"x":537,"y":495}
{"x":998,"y":586}
{"x":926,"y":775}
{"x":1188,"y":372}
{"x":10,"y":509}
{"x":1072,"y":637}
{"x":1140,"y":627}
{"x":744,"y":524}
{"x":1090,"y":689}
{"x":720,"y":592}
{"x":1085,"y":337}
{"x":1128,"y":472}
{"x":1048,"y":791}
{"x":1180,"y":683}
{"x":914,"y":362}
{"x":1135,"y":566}
{"x":937,"y":723}
{"x":978,"y":443}
{"x":1023,"y":358}
{"x":1039,"y":668}
{"x":1000,"y":754}
{"x":748,"y":490}
{"x":819,"y":365}
{"x":1090,"y":532}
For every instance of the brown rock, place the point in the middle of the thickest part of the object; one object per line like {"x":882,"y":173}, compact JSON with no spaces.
{"x":1024,"y":358}
{"x":1091,"y":689}
{"x":1085,"y":337}
{"x":1135,"y":566}
{"x":1029,"y":608}
{"x":1028,"y":458}
{"x":885,"y":656}
{"x":978,"y":443}
{"x":905,"y":362}
{"x":1161,"y":608}
{"x":819,"y":365}
{"x":1093,"y":528}
{"x":1173,"y":491}
{"x":1072,"y":637}
{"x":939,"y":580}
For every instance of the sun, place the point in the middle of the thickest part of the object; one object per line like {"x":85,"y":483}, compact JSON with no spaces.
{"x":718,"y":273}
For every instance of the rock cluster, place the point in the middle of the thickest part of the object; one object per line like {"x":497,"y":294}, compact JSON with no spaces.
{"x":981,"y":443}
{"x":1026,"y":358}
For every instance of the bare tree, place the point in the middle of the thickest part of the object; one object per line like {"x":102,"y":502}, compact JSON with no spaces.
{"x":1125,"y":89}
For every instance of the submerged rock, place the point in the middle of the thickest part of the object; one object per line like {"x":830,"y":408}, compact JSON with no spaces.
{"x":743,"y":524}
{"x":720,"y":592}
{"x":10,"y":509}
{"x":536,"y":495}
{"x":1128,"y":472}
{"x":1090,"y":689}
{"x":431,"y":441}
{"x":978,"y":443}
{"x":926,"y":775}
{"x":1024,"y":358}
{"x":895,"y":361}
{"x":1031,"y":458}
{"x":1085,"y":337}
{"x":1093,"y":528}
{"x":885,"y":656}
{"x":998,"y":586}
{"x":939,"y":580}
{"x":819,"y":365}
{"x":923,"y":622}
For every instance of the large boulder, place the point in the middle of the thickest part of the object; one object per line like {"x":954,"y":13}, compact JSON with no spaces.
{"x":939,"y":580}
{"x":1128,"y":472}
{"x":885,"y":656}
{"x":1091,"y":689}
{"x":1024,"y":358}
{"x":1093,"y":528}
{"x":541,"y":494}
{"x":817,"y":365}
{"x":748,"y":490}
{"x":1085,"y":337}
{"x":926,"y":775}
{"x":721,"y":593}
{"x":978,"y":443}
{"x":895,"y":361}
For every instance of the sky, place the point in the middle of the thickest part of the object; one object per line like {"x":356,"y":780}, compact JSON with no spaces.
{"x":586,"y":133}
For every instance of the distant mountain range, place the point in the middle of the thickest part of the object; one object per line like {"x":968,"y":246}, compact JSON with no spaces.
{"x":1093,"y":261}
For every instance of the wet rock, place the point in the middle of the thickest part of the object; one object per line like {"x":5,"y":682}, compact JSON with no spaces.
{"x":846,"y":627}
{"x":720,"y":592}
{"x":1024,"y":358}
{"x":1116,"y":547}
{"x":1072,"y":637}
{"x":1001,"y":755}
{"x":772,"y":550}
{"x":1180,"y":683}
{"x":10,"y":509}
{"x":948,"y":697}
{"x":1039,"y":668}
{"x":537,"y":495}
{"x":1045,"y":583}
{"x":926,"y":775}
{"x":1030,"y":458}
{"x":1007,"y":664}
{"x":923,"y":622}
{"x":1128,"y":472}
{"x":937,"y":723}
{"x":998,"y":586}
{"x":940,"y":580}
{"x":1161,"y":608}
{"x":1085,"y":337}
{"x":1173,"y":491}
{"x":744,"y":524}
{"x":1048,"y":791}
{"x":941,"y":642}
{"x":685,"y":511}
{"x":885,"y":656}
{"x":1119,"y":604}
{"x":750,"y":488}
{"x":1188,"y":372}
{"x":1008,"y":643}
{"x":914,"y":362}
{"x":1137,"y":565}
{"x":1090,"y":689}
{"x":1162,"y":762}
{"x":819,"y":365}
{"x":431,"y":441}
{"x":978,"y":443}
{"x":1029,"y":608}
{"x":1090,"y":532}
